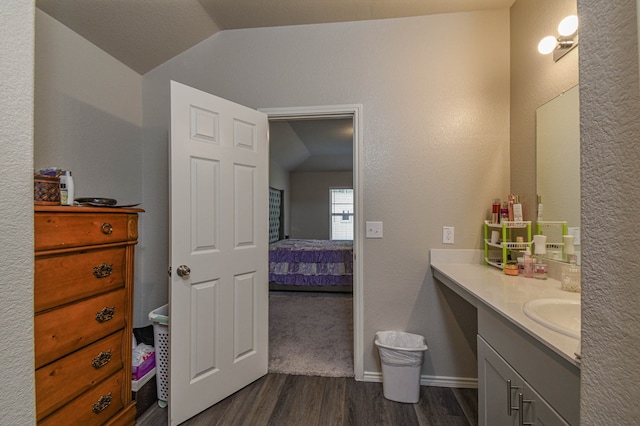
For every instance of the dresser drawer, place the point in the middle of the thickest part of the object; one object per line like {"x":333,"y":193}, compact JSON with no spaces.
{"x":94,"y":407}
{"x":61,"y":331}
{"x":61,"y":381}
{"x":61,"y":279}
{"x":57,"y":231}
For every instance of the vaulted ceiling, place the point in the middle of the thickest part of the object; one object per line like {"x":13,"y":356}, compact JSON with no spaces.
{"x":312,"y":145}
{"x":143,"y":34}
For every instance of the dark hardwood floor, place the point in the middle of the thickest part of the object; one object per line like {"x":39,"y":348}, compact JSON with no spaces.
{"x":283,"y":400}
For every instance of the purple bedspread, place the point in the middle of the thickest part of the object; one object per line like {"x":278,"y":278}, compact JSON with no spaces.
{"x":311,"y":262}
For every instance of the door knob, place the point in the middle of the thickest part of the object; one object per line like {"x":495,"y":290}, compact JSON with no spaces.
{"x":183,"y":271}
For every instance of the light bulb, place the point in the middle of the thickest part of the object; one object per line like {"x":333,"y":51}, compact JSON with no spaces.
{"x":547,"y":45}
{"x":568,"y":25}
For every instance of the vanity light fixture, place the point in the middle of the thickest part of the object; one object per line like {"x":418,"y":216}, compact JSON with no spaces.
{"x":561,"y":45}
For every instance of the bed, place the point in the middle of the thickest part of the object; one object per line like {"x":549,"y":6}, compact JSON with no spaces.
{"x":311,"y":263}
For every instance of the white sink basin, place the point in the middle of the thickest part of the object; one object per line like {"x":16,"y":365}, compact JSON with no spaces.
{"x":559,"y":315}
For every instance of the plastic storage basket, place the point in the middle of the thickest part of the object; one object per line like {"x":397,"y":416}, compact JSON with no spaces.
{"x":160,"y":319}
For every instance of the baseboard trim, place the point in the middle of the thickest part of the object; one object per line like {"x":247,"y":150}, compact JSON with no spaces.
{"x":437,"y":381}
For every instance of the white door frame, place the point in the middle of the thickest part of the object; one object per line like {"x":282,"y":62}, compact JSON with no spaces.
{"x":355,"y":111}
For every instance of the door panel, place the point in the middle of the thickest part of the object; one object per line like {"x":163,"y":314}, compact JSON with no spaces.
{"x":245,"y":331}
{"x":205,"y":183}
{"x":218,"y":319}
{"x":245,"y":193}
{"x":203,"y":321}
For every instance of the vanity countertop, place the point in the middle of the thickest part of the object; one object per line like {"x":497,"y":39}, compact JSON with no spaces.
{"x":465,"y":273}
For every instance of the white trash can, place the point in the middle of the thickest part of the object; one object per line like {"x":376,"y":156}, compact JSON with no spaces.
{"x":401,"y":355}
{"x":160,"y":319}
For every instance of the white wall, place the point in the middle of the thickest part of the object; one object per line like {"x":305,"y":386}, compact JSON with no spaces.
{"x":436,"y":143}
{"x":310,"y":202}
{"x":610,"y":131}
{"x":88,"y":119}
{"x":17,"y":398}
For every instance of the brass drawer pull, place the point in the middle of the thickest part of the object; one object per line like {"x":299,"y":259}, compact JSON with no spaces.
{"x":103,"y":270}
{"x":102,"y":404}
{"x":107,"y":229}
{"x":102,"y":359}
{"x":105,"y":314}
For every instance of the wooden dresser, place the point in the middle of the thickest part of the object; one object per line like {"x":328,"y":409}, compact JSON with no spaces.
{"x":83,"y":301}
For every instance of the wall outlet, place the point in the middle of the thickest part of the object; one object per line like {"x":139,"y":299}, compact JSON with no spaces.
{"x":374,"y":229}
{"x":447,"y":235}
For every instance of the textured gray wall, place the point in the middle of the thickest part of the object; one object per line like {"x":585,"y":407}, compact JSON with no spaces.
{"x":17,"y":399}
{"x":88,"y":114}
{"x":435,"y":130}
{"x":610,"y":131}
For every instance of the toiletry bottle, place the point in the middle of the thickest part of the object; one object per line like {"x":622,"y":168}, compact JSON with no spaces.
{"x":540,"y":268}
{"x":510,"y":202}
{"x":540,"y":208}
{"x":569,"y":247}
{"x":67,"y":195}
{"x":517,"y":210}
{"x":71,"y":189}
{"x":64,"y":193}
{"x":528,"y":264}
{"x":540,"y":264}
{"x":495,"y":211}
{"x":570,"y":280}
{"x":504,"y":213}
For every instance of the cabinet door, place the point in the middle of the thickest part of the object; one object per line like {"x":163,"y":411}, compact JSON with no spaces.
{"x":498,"y":388}
{"x":537,"y":411}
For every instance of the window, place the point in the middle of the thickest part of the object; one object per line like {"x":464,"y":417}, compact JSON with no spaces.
{"x":341,"y":213}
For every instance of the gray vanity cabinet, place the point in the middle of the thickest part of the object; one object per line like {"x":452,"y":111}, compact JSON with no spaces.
{"x":519,"y":380}
{"x":498,"y":385}
{"x":505,"y":398}
{"x":541,"y":413}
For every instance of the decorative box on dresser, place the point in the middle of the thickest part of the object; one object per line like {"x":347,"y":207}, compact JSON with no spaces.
{"x":83,"y":300}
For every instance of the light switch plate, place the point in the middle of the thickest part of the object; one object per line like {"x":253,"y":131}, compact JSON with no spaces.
{"x":374,"y":229}
{"x":447,"y":235}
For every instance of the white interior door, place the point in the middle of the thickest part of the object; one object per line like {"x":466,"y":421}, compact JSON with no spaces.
{"x":218,"y":313}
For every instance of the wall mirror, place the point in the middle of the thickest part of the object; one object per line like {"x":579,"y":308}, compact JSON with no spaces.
{"x":558,"y":159}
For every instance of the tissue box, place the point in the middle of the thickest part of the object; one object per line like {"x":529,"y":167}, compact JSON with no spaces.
{"x":138,"y":371}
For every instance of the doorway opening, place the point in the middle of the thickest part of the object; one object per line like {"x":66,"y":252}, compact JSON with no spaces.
{"x":344,"y":120}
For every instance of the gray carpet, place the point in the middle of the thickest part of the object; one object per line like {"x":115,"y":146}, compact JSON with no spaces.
{"x":310,"y":334}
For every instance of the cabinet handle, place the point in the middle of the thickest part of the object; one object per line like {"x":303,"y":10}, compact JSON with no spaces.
{"x":105,"y":314}
{"x":509,"y":389}
{"x":103,"y":270}
{"x":107,"y":229}
{"x":521,"y":402}
{"x":102,"y":359}
{"x":102,"y":404}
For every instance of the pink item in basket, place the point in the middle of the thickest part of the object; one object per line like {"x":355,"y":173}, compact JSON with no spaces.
{"x":138,"y":371}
